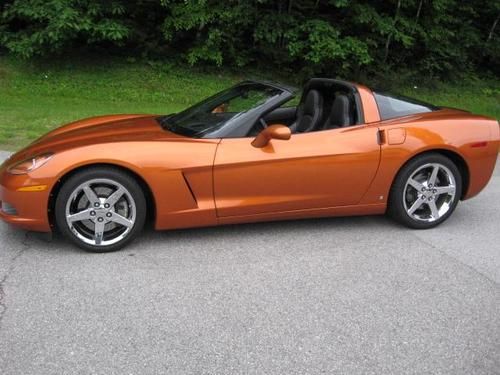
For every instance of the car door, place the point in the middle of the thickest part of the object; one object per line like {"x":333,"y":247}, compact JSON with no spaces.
{"x":321,"y":169}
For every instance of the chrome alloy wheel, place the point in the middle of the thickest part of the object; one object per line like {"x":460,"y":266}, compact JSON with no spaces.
{"x":429,"y":193}
{"x":101,"y":212}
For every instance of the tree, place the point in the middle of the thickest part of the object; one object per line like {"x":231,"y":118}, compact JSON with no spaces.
{"x":333,"y":37}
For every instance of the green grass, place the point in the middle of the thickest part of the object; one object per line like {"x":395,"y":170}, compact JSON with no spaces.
{"x":35,"y":98}
{"x":477,"y":96}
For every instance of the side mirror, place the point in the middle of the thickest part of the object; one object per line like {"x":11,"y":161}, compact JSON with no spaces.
{"x":272,"y":132}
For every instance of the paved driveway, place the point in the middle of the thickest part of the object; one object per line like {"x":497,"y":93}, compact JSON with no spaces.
{"x":343,"y":295}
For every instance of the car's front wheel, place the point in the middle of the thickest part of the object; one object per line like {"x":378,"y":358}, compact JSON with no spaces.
{"x":100,"y":209}
{"x":426,"y":191}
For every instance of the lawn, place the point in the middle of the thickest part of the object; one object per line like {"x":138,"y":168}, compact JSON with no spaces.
{"x":35,"y":98}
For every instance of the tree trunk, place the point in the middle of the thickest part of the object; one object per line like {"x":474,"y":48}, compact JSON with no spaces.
{"x":389,"y":37}
{"x":417,"y":16}
{"x":492,"y":30}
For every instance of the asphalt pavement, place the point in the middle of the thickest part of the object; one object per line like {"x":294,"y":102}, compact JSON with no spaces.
{"x":331,"y":296}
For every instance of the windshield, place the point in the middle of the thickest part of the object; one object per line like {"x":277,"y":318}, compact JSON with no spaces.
{"x":214,"y":112}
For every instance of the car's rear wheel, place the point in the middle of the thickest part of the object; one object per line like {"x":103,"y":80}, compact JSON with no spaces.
{"x":425,"y":192}
{"x":100,"y":209}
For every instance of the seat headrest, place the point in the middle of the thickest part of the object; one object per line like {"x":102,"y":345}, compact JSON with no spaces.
{"x":340,"y":116}
{"x":312,"y":102}
{"x":309,"y":112}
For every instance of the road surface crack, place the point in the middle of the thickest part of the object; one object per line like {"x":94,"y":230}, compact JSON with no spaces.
{"x":458,"y":261}
{"x":10,"y":269}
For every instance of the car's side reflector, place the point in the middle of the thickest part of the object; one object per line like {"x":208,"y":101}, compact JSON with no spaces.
{"x":479,"y":144}
{"x":33,"y":188}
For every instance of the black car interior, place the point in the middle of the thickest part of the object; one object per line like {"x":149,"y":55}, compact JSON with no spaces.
{"x":341,"y":114}
{"x":309,"y":114}
{"x":325,"y":104}
{"x":282,"y":115}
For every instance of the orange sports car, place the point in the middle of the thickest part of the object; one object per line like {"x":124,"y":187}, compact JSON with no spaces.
{"x":245,"y":155}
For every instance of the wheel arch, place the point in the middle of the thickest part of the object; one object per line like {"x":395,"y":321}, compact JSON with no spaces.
{"x":150,"y":199}
{"x":454,"y":156}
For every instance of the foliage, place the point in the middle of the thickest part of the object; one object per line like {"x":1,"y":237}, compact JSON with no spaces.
{"x":39,"y":27}
{"x":351,"y":38}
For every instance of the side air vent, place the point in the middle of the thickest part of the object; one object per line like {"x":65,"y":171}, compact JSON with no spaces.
{"x":190,"y":189}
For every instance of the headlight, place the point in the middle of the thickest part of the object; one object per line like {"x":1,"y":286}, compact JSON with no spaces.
{"x":29,"y":165}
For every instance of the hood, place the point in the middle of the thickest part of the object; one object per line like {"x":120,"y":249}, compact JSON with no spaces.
{"x":108,"y":128}
{"x":103,"y":129}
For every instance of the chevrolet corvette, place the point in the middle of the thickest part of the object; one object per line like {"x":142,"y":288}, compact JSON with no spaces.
{"x":250,"y":154}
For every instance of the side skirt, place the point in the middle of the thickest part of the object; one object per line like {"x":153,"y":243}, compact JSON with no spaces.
{"x":357,"y":210}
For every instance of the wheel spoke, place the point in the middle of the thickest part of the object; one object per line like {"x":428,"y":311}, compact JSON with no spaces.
{"x":434,"y":210}
{"x":445,"y":190}
{"x":433,"y":177}
{"x":79,"y":216}
{"x":415,"y":184}
{"x":95,"y":206}
{"x":416,"y":205}
{"x":99,"y":232}
{"x":91,"y":195}
{"x":436,"y":193}
{"x":115,"y":197}
{"x":119,"y":219}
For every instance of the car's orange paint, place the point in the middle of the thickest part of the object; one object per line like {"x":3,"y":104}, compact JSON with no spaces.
{"x":291,"y":175}
{"x":138,"y":146}
{"x":449,"y":130}
{"x":204,"y":182}
{"x":272,"y":132}
{"x":370,"y":109}
{"x":31,"y":206}
{"x":396,"y":136}
{"x":356,"y":210}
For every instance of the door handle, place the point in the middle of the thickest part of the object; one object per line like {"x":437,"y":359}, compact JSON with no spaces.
{"x":380,"y":137}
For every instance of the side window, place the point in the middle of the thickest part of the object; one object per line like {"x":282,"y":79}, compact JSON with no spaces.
{"x":284,"y":114}
{"x":392,"y":106}
{"x":292,"y":103}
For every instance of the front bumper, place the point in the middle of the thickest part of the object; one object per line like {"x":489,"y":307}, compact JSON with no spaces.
{"x":27,"y":210}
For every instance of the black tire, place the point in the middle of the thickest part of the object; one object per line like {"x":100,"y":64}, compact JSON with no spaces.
{"x":134,"y":193}
{"x":396,"y":205}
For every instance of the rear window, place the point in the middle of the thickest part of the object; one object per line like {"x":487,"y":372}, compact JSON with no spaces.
{"x":392,"y":106}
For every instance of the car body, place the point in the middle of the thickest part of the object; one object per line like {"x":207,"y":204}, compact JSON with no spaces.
{"x":217,"y":175}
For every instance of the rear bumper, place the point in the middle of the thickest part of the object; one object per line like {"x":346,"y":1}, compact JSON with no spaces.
{"x":27,"y":210}
{"x":481,"y":164}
